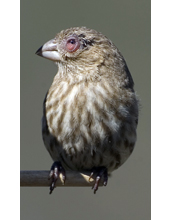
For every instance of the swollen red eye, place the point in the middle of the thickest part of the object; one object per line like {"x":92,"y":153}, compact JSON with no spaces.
{"x":72,"y":44}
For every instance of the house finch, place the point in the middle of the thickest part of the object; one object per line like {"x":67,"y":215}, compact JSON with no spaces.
{"x":90,"y":112}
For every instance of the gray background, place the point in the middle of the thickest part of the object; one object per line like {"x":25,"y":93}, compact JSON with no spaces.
{"x":127,"y":24}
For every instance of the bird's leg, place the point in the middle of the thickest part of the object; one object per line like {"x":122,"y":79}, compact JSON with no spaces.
{"x":100,"y":172}
{"x":56,"y":169}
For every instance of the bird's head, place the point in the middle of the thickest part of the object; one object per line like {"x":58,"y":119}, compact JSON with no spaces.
{"x":86,"y":53}
{"x":78,"y":46}
{"x":75,"y":43}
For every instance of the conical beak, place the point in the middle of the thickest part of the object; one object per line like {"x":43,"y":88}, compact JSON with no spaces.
{"x":49,"y":51}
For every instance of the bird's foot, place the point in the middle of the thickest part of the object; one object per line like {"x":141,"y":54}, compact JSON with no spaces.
{"x":55,"y":171}
{"x":101,"y":172}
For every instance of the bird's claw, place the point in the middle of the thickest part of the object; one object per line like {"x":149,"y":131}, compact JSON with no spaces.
{"x":55,"y":171}
{"x":100,"y":172}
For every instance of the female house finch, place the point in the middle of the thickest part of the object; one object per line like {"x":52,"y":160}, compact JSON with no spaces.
{"x":90,"y":112}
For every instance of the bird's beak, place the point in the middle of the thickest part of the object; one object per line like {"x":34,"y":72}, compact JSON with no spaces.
{"x":49,"y":51}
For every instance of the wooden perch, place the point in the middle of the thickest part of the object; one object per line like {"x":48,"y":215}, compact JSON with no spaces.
{"x":41,"y":178}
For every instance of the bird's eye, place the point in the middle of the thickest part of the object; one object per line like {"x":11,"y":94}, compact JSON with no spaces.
{"x":72,"y":44}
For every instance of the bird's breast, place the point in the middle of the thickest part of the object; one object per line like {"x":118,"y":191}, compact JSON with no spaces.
{"x":80,"y":110}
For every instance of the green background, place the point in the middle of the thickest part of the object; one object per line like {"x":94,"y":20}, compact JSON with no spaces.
{"x":127,"y":24}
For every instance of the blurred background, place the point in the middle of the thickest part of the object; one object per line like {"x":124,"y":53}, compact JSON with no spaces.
{"x":127,"y":24}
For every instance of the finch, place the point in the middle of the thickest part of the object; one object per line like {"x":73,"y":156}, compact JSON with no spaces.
{"x":90,"y":112}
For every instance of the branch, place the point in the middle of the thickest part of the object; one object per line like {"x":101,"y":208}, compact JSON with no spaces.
{"x":40,"y":178}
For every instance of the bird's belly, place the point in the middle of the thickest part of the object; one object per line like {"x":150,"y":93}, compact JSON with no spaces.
{"x":82,"y":146}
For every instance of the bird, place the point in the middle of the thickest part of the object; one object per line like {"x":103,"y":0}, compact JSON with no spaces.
{"x":90,"y":112}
